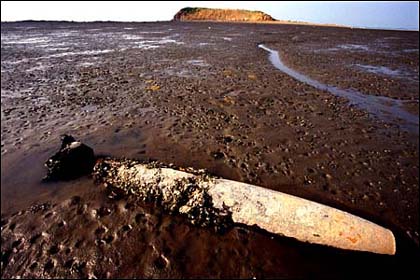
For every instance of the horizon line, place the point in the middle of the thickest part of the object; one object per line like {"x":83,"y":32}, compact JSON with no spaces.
{"x":293,"y":22}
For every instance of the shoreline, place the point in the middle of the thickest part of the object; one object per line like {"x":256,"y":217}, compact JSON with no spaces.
{"x":280,"y":22}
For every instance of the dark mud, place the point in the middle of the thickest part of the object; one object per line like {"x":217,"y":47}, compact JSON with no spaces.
{"x":390,"y":110}
{"x":202,"y":95}
{"x":101,"y":235}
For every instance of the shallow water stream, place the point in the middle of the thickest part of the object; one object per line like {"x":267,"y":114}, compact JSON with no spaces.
{"x":387,"y":109}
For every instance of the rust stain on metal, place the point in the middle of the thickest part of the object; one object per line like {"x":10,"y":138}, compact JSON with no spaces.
{"x":212,"y":201}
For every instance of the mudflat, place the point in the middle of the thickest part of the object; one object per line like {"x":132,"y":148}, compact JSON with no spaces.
{"x":205,"y":95}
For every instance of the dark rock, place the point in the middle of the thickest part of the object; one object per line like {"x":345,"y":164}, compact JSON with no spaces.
{"x":73,"y":160}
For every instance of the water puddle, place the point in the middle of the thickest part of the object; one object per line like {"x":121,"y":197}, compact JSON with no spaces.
{"x":27,"y":41}
{"x":387,"y":109}
{"x":132,"y":37}
{"x":57,"y":49}
{"x":89,"y":108}
{"x":153,"y":44}
{"x":410,"y":50}
{"x":353,"y":47}
{"x":167,"y":41}
{"x":152,"y":32}
{"x":347,"y":47}
{"x":9,"y":62}
{"x":145,"y":46}
{"x":65,"y":33}
{"x":392,"y":38}
{"x":198,"y":62}
{"x":87,"y":64}
{"x":38,"y":67}
{"x":384,"y":71}
{"x":89,"y":52}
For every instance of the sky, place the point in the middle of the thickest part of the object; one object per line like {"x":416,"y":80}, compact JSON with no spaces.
{"x":386,"y":15}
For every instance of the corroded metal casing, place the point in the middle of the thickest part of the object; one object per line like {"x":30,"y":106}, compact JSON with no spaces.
{"x":299,"y":218}
{"x":273,"y":211}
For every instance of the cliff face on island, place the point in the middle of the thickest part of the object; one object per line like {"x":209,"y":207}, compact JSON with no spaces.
{"x":206,"y":14}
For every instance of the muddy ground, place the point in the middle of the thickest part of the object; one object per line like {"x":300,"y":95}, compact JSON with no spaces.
{"x":203,"y":95}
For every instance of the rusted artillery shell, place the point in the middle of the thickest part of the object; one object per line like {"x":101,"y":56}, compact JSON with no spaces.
{"x":299,"y":218}
{"x":273,"y":211}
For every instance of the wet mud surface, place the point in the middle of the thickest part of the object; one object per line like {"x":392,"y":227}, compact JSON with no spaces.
{"x":202,"y":95}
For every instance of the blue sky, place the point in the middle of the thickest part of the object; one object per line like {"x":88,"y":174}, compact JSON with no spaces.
{"x":389,"y":15}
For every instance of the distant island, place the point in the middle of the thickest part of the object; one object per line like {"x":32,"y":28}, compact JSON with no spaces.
{"x":206,"y":14}
{"x":235,"y":15}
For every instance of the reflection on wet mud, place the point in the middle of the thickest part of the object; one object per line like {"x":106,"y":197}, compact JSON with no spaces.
{"x":387,"y":109}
